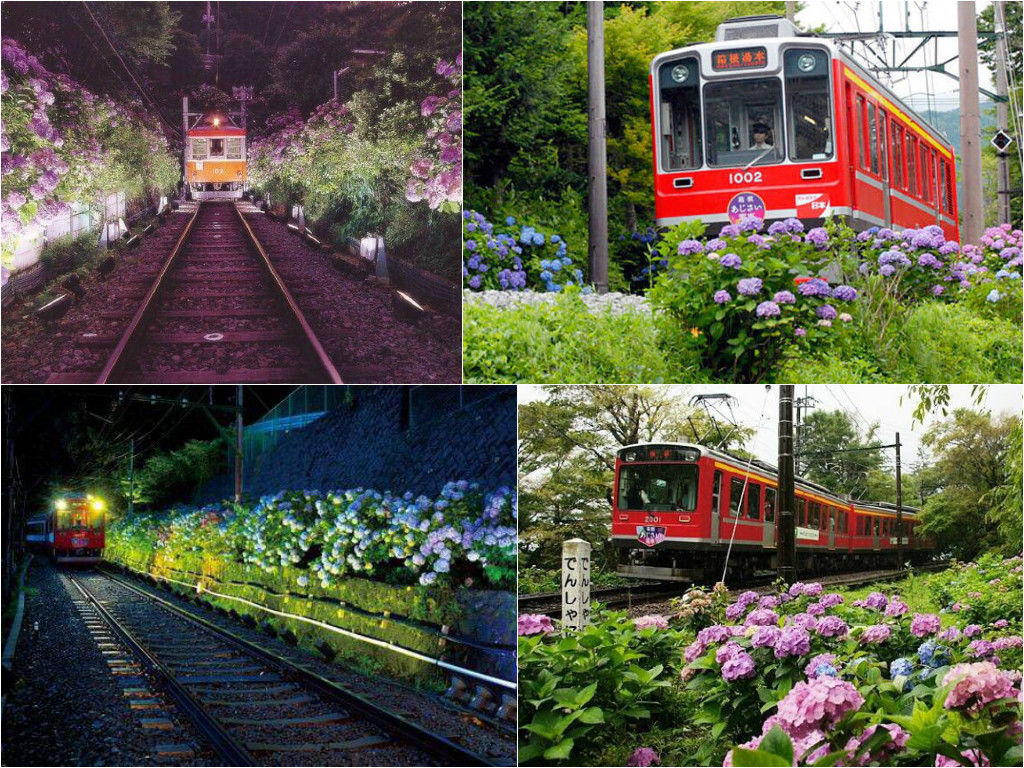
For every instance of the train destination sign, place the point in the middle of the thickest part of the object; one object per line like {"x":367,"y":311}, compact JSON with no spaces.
{"x":739,"y":58}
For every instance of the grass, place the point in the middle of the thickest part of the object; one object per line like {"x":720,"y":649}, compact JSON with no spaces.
{"x":536,"y":580}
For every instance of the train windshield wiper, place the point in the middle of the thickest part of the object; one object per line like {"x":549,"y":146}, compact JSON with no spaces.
{"x":763,"y":153}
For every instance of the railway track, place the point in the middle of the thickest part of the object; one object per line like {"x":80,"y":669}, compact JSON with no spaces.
{"x":251,"y":706}
{"x":217,"y":311}
{"x":627,"y":597}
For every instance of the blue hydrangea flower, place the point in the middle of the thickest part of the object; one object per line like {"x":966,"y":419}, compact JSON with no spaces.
{"x":901,"y":667}
{"x":993,"y":296}
{"x":470,"y":245}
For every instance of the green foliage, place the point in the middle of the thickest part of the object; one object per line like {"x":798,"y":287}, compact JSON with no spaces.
{"x":567,"y":344}
{"x":981,"y":592}
{"x":609,"y":674}
{"x":976,"y":471}
{"x":533,"y":580}
{"x":824,"y":435}
{"x":177,"y":473}
{"x":66,"y":254}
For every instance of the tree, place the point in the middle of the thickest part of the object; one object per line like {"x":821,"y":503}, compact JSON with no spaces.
{"x":825,"y":454}
{"x":175,"y":475}
{"x":976,"y":506}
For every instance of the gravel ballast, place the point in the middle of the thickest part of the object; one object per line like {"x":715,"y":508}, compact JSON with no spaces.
{"x":616,"y":303}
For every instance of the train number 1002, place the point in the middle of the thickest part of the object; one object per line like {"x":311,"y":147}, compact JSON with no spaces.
{"x":745,"y":177}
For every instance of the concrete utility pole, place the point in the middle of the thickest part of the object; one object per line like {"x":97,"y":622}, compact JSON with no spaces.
{"x":970,"y":123}
{"x":238,"y":445}
{"x":598,"y":163}
{"x":131,"y":477}
{"x":899,"y":507}
{"x":1002,"y":123}
{"x":787,"y":490}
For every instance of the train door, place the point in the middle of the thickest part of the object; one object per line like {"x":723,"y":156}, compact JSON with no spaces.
{"x":716,"y":505}
{"x":876,"y":526}
{"x":883,"y":151}
{"x":832,"y":527}
{"x":769,"y":517}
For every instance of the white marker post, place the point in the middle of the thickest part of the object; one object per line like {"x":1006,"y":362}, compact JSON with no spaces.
{"x":575,"y":584}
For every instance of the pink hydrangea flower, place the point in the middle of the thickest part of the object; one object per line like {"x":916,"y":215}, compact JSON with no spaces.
{"x":896,"y":607}
{"x":1001,"y":624}
{"x":805,"y":620}
{"x":924,"y":624}
{"x":793,"y":641}
{"x":763,"y":617}
{"x":716,"y":633}
{"x":643,"y":757}
{"x":831,"y":600}
{"x":876,"y":633}
{"x":534,"y":624}
{"x":876,"y":601}
{"x":765,"y":637}
{"x":653,"y":621}
{"x":975,"y":685}
{"x":813,"y":669}
{"x":738,"y":666}
{"x":971,"y":757}
{"x":1002,"y":643}
{"x":972,"y":629}
{"x":831,"y":626}
{"x":817,"y":705}
{"x":694,"y":651}
{"x":897,"y":742}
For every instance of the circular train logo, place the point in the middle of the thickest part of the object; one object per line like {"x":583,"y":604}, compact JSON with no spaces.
{"x":746,"y":204}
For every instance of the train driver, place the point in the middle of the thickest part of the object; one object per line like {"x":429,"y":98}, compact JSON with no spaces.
{"x":761,"y":132}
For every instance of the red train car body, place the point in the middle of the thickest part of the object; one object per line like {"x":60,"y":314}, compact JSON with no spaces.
{"x":770,"y":122}
{"x":678,"y":508}
{"x":72,"y":530}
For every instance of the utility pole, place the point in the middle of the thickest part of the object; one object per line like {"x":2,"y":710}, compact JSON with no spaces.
{"x":598,"y":169}
{"x":899,"y":507}
{"x":131,"y":477}
{"x":970,"y":123}
{"x":12,"y":535}
{"x":787,"y":491}
{"x":238,"y":445}
{"x":1002,"y":156}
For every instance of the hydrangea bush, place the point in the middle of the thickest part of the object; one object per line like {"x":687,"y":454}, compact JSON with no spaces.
{"x":62,"y":144}
{"x":797,"y":676}
{"x":462,"y":536}
{"x":742,"y":298}
{"x":436,"y":174}
{"x":519,"y":258}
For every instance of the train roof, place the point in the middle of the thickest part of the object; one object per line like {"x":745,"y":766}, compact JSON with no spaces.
{"x":215,"y":124}
{"x":742,"y":463}
{"x":770,"y":29}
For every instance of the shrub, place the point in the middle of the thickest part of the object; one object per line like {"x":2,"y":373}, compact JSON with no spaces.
{"x":66,"y":254}
{"x":565,"y":343}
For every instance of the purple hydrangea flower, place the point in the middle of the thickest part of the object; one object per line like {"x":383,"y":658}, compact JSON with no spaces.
{"x":818,"y":237}
{"x":784,"y":297}
{"x":793,"y":641}
{"x":731,"y":260}
{"x":815,"y":287}
{"x":826,"y":312}
{"x":749,"y":286}
{"x":845,"y":293}
{"x":690,"y":247}
{"x":765,"y":636}
{"x":722,"y":297}
{"x":831,"y":626}
{"x":768,"y":309}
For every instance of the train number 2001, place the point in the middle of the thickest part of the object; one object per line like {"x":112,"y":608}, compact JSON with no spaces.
{"x":745,"y":177}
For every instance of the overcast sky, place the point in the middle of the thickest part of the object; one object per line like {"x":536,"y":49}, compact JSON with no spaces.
{"x":932,"y":15}
{"x":884,"y":404}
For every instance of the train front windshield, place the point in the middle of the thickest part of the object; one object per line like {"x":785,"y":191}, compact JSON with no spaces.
{"x":742,"y":122}
{"x":658,"y":487}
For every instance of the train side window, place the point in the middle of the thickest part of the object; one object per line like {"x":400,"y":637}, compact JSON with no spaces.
{"x":862,"y":117}
{"x":801,"y":512}
{"x":735,"y":495}
{"x":200,"y":149}
{"x":873,"y":138}
{"x":927,"y":174}
{"x":911,"y":163}
{"x":769,"y":505}
{"x":716,"y":492}
{"x":234,"y":148}
{"x":679,"y":104}
{"x":883,"y":128}
{"x":897,"y":152}
{"x":809,"y":106}
{"x":947,"y":177}
{"x":815,"y":521}
{"x":754,"y":501}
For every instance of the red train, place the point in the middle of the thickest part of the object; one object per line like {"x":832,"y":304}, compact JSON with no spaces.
{"x":677,"y":508}
{"x":73,"y":530}
{"x":770,"y":122}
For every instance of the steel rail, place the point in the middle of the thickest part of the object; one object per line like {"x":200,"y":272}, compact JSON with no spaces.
{"x":300,"y":318}
{"x":228,"y":749}
{"x":118,"y":356}
{"x":445,"y":750}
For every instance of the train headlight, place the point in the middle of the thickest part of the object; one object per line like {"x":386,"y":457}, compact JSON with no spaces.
{"x":98,"y":505}
{"x":680,"y":72}
{"x":216,"y":122}
{"x":806,"y":63}
{"x":61,"y":505}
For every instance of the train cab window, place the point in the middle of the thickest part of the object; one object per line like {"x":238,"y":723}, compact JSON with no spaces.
{"x":873,"y":138}
{"x":679,"y":115}
{"x":808,"y":104}
{"x":769,"y":505}
{"x":216,"y":147}
{"x":736,"y":495}
{"x":658,"y":487}
{"x":200,"y":149}
{"x":754,"y":501}
{"x":63,"y":520}
{"x":233,"y":148}
{"x":743,"y":123}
